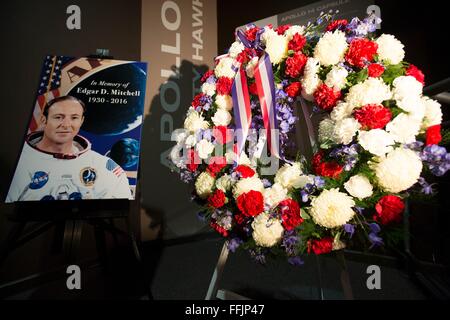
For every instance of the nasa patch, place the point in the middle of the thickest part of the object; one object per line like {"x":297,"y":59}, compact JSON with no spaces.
{"x":88,"y":176}
{"x":40,"y":178}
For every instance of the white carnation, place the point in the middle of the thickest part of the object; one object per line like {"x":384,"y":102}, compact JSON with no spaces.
{"x":194,"y":121}
{"x":224,"y":183}
{"x":406,"y":86}
{"x":267,"y":231}
{"x":390,"y":50}
{"x":288,"y":175}
{"x":359,"y":187}
{"x":267,"y":34}
{"x":371,"y":91}
{"x":310,"y":80}
{"x":337,"y":77}
{"x":209,"y":89}
{"x":414,"y":106}
{"x":225,"y":68}
{"x":433,"y":112}
{"x":376,"y":141}
{"x":326,"y":129}
{"x":221,"y":118}
{"x":289,"y":33}
{"x":345,"y":130}
{"x":224,"y":102}
{"x":332,"y":208}
{"x":341,"y":110}
{"x":399,"y":170}
{"x":236,"y":48}
{"x":404,"y":128}
{"x":277,"y":48}
{"x":274,"y":195}
{"x":204,"y":185}
{"x":250,"y":68}
{"x":204,"y":148}
{"x":247,"y":184}
{"x":331,"y":48}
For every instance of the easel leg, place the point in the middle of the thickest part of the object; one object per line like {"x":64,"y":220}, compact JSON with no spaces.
{"x":218,"y":271}
{"x":345,"y":278}
{"x":319,"y":279}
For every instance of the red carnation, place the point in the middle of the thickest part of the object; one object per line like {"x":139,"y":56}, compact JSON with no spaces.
{"x":373,"y":116}
{"x":293,"y":90}
{"x":206,"y":75}
{"x":240,"y":219}
{"x":217,"y":199}
{"x":216,"y":164}
{"x":281,"y":29}
{"x":222,"y":134}
{"x":290,"y":214}
{"x":218,"y":228}
{"x":297,"y":42}
{"x":326,"y":97}
{"x":433,"y":135}
{"x":196,"y":101}
{"x":375,"y":70}
{"x":389,"y":209}
{"x":317,"y":159}
{"x":295,"y":65}
{"x":223,"y":85}
{"x":245,"y":55}
{"x":337,"y":24}
{"x":253,"y":89}
{"x":324,"y":245}
{"x":360,"y":52}
{"x":193,"y":160}
{"x":251,"y":33}
{"x":416,"y":73}
{"x":245,"y":171}
{"x":329,"y":169}
{"x":251,"y":203}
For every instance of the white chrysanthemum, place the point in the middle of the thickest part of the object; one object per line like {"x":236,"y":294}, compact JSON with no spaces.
{"x":390,"y":50}
{"x":404,"y":128}
{"x":332,"y":208}
{"x":337,"y":77}
{"x":433,"y":112}
{"x":250,"y":68}
{"x":289,"y":33}
{"x":341,"y":111}
{"x":414,"y":106}
{"x":371,"y":91}
{"x":277,"y":48}
{"x":191,"y":140}
{"x":399,"y":170}
{"x":209,"y":89}
{"x":224,"y":102}
{"x":406,"y":86}
{"x":267,"y":34}
{"x":267,"y":231}
{"x":376,"y":141}
{"x":274,"y":195}
{"x":236,"y":48}
{"x":195,"y":121}
{"x":359,"y":187}
{"x":225,"y":68}
{"x":326,"y":129}
{"x":310,"y":80}
{"x":204,"y":148}
{"x":330,"y":49}
{"x":289,"y":175}
{"x":345,"y":130}
{"x":204,"y":185}
{"x":221,"y":118}
{"x":224,"y":183}
{"x":247,"y":184}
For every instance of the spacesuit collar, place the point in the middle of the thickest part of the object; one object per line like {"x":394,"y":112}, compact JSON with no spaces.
{"x":80,"y":143}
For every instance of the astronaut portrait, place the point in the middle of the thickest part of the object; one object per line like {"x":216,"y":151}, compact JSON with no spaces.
{"x":57,"y":163}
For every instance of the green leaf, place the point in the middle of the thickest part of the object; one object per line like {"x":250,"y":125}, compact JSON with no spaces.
{"x":393,"y":71}
{"x":304,"y":215}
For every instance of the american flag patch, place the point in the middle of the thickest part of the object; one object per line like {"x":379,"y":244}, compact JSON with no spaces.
{"x":111,"y":165}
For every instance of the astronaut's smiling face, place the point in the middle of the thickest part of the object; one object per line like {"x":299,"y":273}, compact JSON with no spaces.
{"x":63,"y":122}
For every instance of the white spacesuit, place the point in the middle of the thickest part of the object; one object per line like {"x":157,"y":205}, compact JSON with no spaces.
{"x":85,"y":174}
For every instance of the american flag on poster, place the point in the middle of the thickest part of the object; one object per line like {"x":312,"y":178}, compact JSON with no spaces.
{"x":50,"y":82}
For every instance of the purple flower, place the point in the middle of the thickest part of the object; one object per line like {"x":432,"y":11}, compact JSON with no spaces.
{"x":290,"y":241}
{"x":258,"y":256}
{"x":266,"y":183}
{"x":349,"y":228}
{"x":375,"y":240}
{"x":305,"y":196}
{"x":234,"y":243}
{"x":437,"y":159}
{"x":296,"y":261}
{"x":187,"y":176}
{"x":319,"y":182}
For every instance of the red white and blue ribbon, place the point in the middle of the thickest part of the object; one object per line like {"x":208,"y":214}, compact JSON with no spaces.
{"x":241,"y":109}
{"x":266,"y":92}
